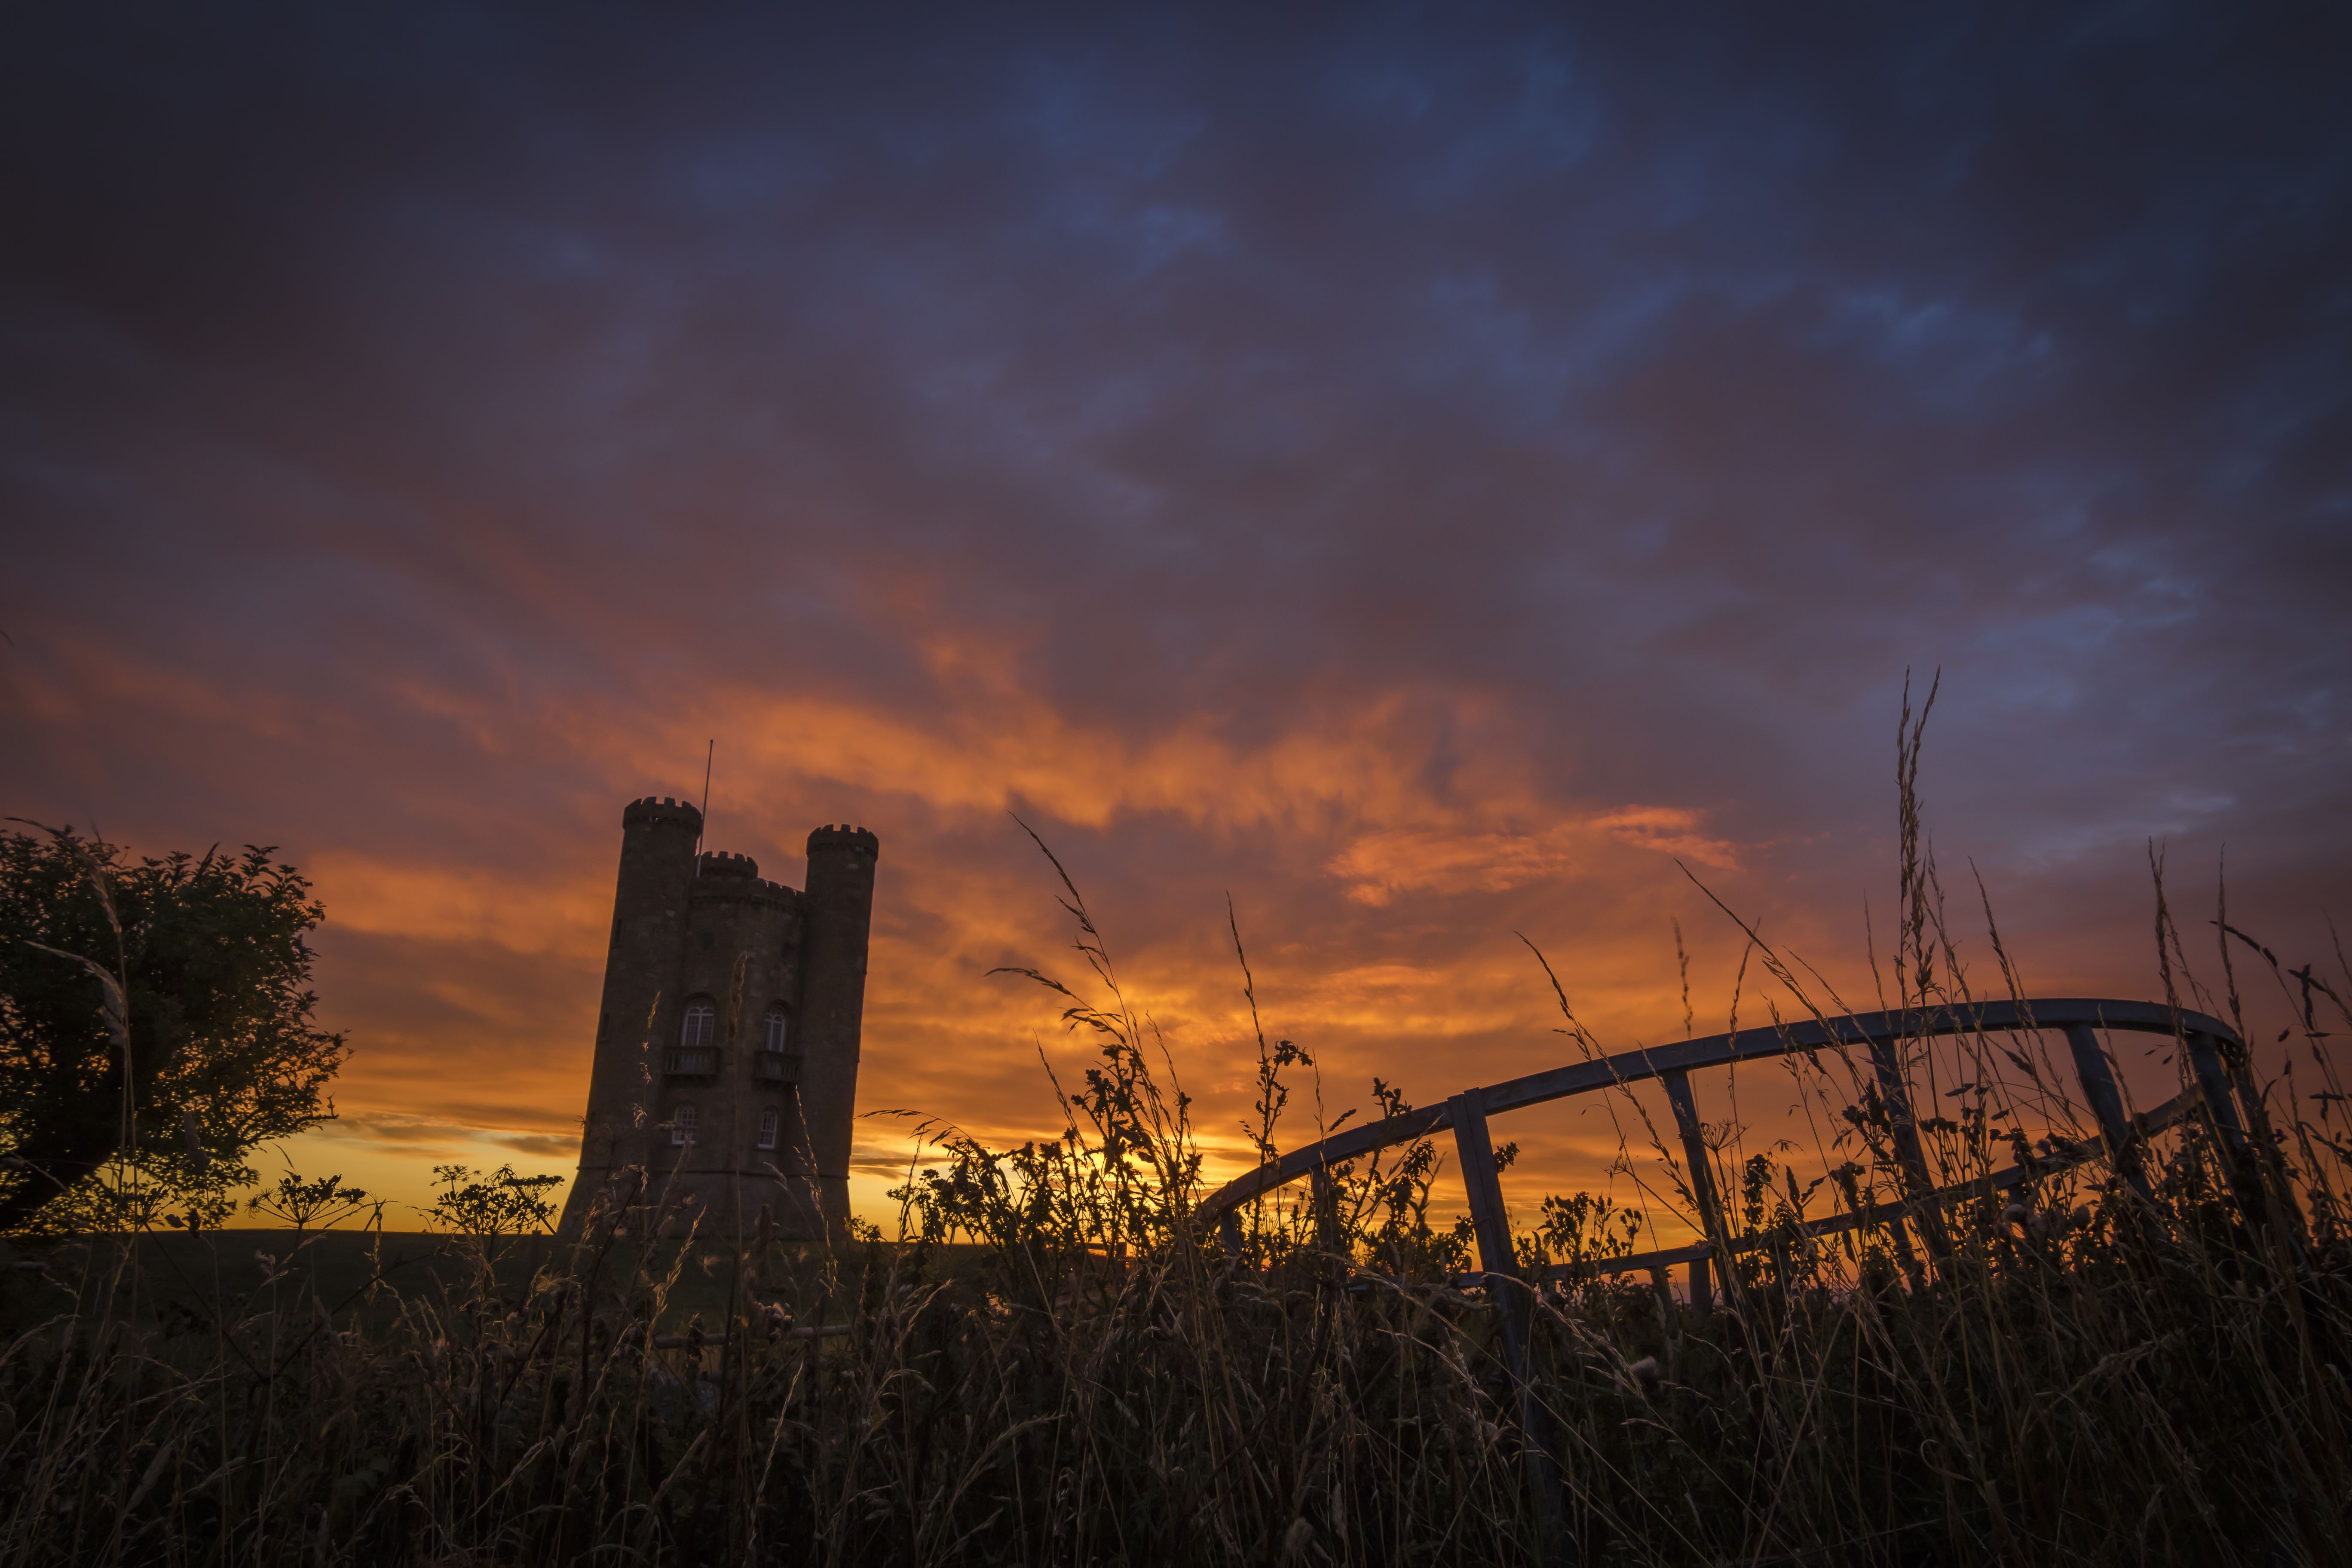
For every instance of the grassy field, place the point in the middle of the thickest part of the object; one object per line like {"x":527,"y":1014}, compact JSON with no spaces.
{"x":171,"y":1276}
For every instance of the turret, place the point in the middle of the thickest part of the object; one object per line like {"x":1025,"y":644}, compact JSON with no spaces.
{"x":837,"y":917}
{"x":639,"y":1009}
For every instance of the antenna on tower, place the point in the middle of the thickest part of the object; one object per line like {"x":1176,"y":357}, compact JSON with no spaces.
{"x":703,"y":833}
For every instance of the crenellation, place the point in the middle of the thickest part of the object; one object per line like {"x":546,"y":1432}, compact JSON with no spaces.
{"x":719,"y":863}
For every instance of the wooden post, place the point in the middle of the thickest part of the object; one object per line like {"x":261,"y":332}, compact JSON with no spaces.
{"x":2097,"y":1077}
{"x":2213,"y":1077}
{"x":1325,"y":1198}
{"x":2213,"y":1080}
{"x":1229,"y":1232}
{"x":1894,"y":1092}
{"x":1905,"y":1258}
{"x":1511,"y":1297}
{"x":1669,"y":1321}
{"x":1701,"y":1161}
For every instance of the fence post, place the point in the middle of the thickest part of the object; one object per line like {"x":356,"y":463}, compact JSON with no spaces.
{"x":1895,"y":1094}
{"x":1325,"y":1198}
{"x":2097,"y":1077}
{"x":2213,"y":1080}
{"x":1701,"y":1160}
{"x":1662,"y":1286}
{"x":1511,"y":1297}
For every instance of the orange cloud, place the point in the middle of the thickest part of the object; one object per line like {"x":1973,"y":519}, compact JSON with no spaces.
{"x":443,"y":903}
{"x":1458,"y":857}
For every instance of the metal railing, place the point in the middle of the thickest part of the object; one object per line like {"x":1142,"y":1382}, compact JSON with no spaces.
{"x":2121,"y":1136}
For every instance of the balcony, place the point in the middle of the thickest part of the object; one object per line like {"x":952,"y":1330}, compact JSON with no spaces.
{"x":692,"y":1062}
{"x":776,"y":1066}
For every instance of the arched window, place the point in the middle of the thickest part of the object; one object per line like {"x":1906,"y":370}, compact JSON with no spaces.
{"x":701,"y":1026}
{"x":775,"y":1029}
{"x":771,"y":1126}
{"x":681,"y":1126}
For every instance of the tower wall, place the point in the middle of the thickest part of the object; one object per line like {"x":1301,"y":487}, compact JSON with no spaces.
{"x":741,"y":956}
{"x":836,"y":923}
{"x":688,"y":932}
{"x":639,"y":1009}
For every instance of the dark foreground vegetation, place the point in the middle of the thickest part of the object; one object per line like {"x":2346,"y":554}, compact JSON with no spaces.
{"x":1057,"y":1362}
{"x":1083,"y":1376}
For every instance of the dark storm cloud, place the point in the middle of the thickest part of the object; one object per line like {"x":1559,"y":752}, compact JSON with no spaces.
{"x":400,"y":406}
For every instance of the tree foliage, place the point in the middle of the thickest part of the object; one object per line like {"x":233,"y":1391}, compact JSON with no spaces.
{"x":155,"y":1025}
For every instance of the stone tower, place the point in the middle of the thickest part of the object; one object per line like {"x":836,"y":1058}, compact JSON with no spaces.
{"x":726,"y":1065}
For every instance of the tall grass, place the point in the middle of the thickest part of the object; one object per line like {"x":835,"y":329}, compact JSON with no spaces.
{"x":1058,"y":1362}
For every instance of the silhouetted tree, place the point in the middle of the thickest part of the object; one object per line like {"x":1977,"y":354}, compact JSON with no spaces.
{"x":155,"y":1025}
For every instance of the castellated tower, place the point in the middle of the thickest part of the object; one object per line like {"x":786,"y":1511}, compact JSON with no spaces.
{"x":726,"y":1066}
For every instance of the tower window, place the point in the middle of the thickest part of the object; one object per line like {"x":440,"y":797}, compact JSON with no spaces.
{"x":700,"y":1027}
{"x":775,"y":1029}
{"x":771,"y":1125}
{"x":681,"y":1126}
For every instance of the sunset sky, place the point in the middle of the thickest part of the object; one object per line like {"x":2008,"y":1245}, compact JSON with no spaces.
{"x":1430,"y":476}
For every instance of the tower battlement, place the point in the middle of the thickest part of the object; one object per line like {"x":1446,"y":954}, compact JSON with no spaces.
{"x":717,"y":863}
{"x":843,"y":837}
{"x":661,"y":808}
{"x":726,"y":1066}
